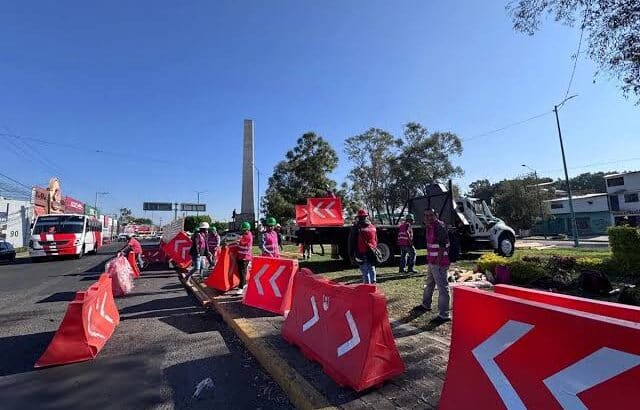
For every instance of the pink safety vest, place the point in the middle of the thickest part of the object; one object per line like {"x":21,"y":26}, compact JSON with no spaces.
{"x":271,"y":244}
{"x":244,"y":246}
{"x":403,"y":235}
{"x":433,"y":247}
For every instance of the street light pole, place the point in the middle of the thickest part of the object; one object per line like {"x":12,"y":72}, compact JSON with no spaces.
{"x":258,"y":196}
{"x":95,"y":204}
{"x":198,"y":201}
{"x":576,"y":240}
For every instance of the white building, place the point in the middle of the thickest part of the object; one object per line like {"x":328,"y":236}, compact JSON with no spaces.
{"x":14,"y":221}
{"x":624,"y":190}
{"x":592,"y":215}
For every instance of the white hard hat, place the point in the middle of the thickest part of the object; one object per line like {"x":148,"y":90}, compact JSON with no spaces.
{"x":204,"y":225}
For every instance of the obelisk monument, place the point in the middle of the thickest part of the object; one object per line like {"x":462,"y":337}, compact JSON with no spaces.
{"x":247,"y":208}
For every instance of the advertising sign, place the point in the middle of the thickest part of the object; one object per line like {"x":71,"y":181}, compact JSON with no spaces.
{"x":56,"y":205}
{"x":73,"y":206}
{"x":40,"y":197}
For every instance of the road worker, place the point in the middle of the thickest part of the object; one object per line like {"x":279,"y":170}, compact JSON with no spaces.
{"x":438,"y":268}
{"x":244,"y":255}
{"x":133,"y":246}
{"x":405,"y":243}
{"x":363,"y":244}
{"x":214,"y":245}
{"x":269,"y":242}
{"x":199,"y":250}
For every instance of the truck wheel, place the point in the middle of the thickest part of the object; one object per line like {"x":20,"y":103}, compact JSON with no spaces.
{"x":506,"y":245}
{"x":385,"y":250}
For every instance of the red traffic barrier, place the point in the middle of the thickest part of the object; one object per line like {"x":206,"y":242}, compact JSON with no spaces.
{"x":270,"y":284}
{"x":345,"y":328}
{"x":178,"y":250}
{"x":325,"y":211}
{"x":597,"y":307}
{"x":88,"y":323}
{"x":302,"y":215}
{"x":131,"y":258}
{"x":224,"y":276}
{"x":523,"y":354}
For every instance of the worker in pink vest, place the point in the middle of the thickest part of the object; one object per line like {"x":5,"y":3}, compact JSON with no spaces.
{"x":438,"y":269}
{"x":270,"y":244}
{"x":244,"y":255}
{"x":405,"y":243}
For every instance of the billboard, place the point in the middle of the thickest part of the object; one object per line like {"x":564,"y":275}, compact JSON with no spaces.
{"x":73,"y":206}
{"x":157,"y":206}
{"x":193,"y":207}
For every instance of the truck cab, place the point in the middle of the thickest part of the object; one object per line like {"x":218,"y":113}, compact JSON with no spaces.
{"x":483,"y":226}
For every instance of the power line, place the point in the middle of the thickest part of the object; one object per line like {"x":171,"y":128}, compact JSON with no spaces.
{"x":514,"y":124}
{"x":575,"y":60}
{"x":13,"y":180}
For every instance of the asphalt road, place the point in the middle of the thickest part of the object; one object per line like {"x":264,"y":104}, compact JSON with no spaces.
{"x":164,"y":346}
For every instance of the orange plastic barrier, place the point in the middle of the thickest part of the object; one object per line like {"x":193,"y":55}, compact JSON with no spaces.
{"x":131,"y":258}
{"x":153,"y":254}
{"x":345,"y":328}
{"x":325,"y":211}
{"x":224,"y":275}
{"x":302,"y":215}
{"x":178,"y":250}
{"x":617,"y":310}
{"x":88,"y":323}
{"x":270,"y":284}
{"x":521,"y":354}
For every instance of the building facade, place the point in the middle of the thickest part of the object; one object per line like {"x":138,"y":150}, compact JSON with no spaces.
{"x":592,"y":216}
{"x":15,"y":221}
{"x":623,"y":194}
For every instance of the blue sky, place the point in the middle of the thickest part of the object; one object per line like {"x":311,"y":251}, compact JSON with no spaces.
{"x":161,"y":88}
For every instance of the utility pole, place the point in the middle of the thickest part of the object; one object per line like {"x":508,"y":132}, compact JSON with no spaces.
{"x":95,"y":204}
{"x":576,"y":241}
{"x":198,"y":201}
{"x":175,"y":212}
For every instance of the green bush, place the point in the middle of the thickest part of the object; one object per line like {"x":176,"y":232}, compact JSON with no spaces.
{"x":559,"y":263}
{"x":524,"y":273}
{"x":489,"y":261}
{"x":590,"y":263}
{"x":625,"y":245}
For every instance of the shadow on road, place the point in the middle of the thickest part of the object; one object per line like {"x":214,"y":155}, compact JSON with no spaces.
{"x":19,"y":353}
{"x":59,"y":297}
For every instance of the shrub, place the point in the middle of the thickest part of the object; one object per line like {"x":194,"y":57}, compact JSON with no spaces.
{"x":531,"y":258}
{"x":590,"y":263}
{"x":625,"y":245}
{"x":561,"y":263}
{"x":525,"y":273}
{"x":489,"y":261}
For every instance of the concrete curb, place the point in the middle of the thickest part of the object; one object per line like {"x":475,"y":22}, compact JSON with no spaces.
{"x":300,"y":392}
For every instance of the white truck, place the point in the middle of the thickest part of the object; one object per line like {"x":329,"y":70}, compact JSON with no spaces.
{"x":470,"y":221}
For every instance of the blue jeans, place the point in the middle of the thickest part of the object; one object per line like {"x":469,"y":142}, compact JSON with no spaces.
{"x":368,"y":272}
{"x":197,"y":263}
{"x":437,"y":276}
{"x":410,"y":252}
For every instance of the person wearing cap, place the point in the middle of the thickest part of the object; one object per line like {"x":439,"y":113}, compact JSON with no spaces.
{"x":405,"y":242}
{"x":244,"y":255}
{"x":199,"y":250}
{"x":269,"y":242}
{"x":363,"y":240}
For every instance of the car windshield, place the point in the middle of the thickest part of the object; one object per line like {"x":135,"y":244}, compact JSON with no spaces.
{"x":59,"y":224}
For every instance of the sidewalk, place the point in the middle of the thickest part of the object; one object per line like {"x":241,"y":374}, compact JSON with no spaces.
{"x":424,"y":355}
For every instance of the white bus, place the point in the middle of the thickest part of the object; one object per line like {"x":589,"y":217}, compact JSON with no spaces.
{"x":65,"y":234}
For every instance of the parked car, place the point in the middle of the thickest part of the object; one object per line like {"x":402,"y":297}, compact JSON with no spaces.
{"x":7,"y":252}
{"x":228,"y":237}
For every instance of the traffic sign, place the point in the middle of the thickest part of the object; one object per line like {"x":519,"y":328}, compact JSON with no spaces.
{"x":157,"y":206}
{"x":193,"y":207}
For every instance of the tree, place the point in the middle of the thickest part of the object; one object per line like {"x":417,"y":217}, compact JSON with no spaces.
{"x":303,"y":174}
{"x":482,"y":189}
{"x":516,"y":202}
{"x":587,"y":182}
{"x":612,"y":28}
{"x":192,"y":222}
{"x":375,"y":174}
{"x":425,"y":157}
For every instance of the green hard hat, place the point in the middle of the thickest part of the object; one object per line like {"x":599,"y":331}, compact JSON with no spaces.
{"x":410,"y":216}
{"x":245,"y":226}
{"x":213,"y":229}
{"x":271,"y":221}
